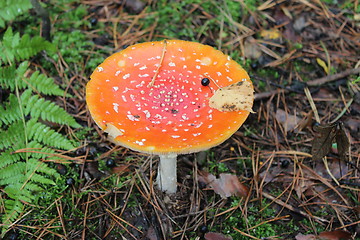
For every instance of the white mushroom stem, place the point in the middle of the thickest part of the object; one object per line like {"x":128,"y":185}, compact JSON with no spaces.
{"x":166,"y":178}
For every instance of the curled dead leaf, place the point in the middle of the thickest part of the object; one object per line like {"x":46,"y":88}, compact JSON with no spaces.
{"x":288,"y":121}
{"x":325,"y":135}
{"x":335,"y":235}
{"x":216,"y":236}
{"x":332,"y":235}
{"x":121,"y":169}
{"x":226,"y":185}
{"x":305,"y":237}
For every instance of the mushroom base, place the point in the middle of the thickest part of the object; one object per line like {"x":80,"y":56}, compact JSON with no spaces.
{"x":166,"y":178}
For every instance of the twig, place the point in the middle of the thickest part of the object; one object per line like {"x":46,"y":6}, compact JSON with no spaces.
{"x":291,"y":208}
{"x":312,"y":104}
{"x":41,"y":12}
{"x":330,"y":78}
{"x":158,"y":69}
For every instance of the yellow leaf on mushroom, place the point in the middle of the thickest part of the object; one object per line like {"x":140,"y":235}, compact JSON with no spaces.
{"x":235,"y":97}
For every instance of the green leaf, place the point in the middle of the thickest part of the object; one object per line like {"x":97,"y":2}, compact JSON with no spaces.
{"x":44,"y":134}
{"x":10,"y":9}
{"x":46,"y":110}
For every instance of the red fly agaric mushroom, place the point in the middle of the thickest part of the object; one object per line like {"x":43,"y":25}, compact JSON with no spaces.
{"x":152,"y":97}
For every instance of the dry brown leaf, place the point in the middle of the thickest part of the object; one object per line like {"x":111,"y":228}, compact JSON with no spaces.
{"x":216,"y":236}
{"x":226,"y":185}
{"x":121,"y":169}
{"x":335,"y":235}
{"x":151,"y":234}
{"x":252,"y":49}
{"x":325,"y":135}
{"x":288,"y":121}
{"x":305,"y":237}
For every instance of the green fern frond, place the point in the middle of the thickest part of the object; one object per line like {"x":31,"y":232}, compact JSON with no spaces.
{"x":44,"y":134}
{"x":15,"y":48}
{"x":34,"y":165}
{"x":27,"y":191}
{"x":26,"y":141}
{"x":10,"y":9}
{"x":14,"y":208}
{"x":12,"y":135}
{"x":11,"y":112}
{"x":46,"y":110}
{"x":42,"y":84}
{"x":11,"y":78}
{"x":7,"y":157}
{"x":38,"y":151}
{"x":15,"y":169}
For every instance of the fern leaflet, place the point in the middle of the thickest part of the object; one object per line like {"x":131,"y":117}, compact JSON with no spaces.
{"x":46,"y":110}
{"x":15,"y":48}
{"x":10,"y":9}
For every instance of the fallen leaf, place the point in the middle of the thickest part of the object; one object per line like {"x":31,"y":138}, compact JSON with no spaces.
{"x":335,"y":235}
{"x":235,"y":97}
{"x":337,"y":168}
{"x":323,"y":65}
{"x":151,"y":234}
{"x":216,"y":236}
{"x":134,"y":6}
{"x":288,"y":121}
{"x":120,"y":169}
{"x":226,"y":185}
{"x":332,"y":235}
{"x":252,"y":49}
{"x":305,"y":237}
{"x":270,"y":34}
{"x":325,"y":135}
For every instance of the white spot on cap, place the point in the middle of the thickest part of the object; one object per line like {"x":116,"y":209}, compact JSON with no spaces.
{"x":123,"y":98}
{"x":147,"y":113}
{"x":132,"y":118}
{"x":100,"y":69}
{"x":172,"y":64}
{"x":175,"y":136}
{"x":139,"y":143}
{"x":116,"y":88}
{"x":126,"y":76}
{"x":116,"y":107}
{"x":143,"y":67}
{"x":196,"y":134}
{"x":117,"y":73}
{"x":144,"y":75}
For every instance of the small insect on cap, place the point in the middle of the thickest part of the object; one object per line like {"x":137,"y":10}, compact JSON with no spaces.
{"x":150,"y":97}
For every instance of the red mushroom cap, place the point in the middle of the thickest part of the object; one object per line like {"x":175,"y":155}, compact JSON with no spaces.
{"x":172,"y":115}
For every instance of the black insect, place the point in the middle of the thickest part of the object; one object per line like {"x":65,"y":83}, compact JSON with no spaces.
{"x":205,"y":82}
{"x":110,"y":163}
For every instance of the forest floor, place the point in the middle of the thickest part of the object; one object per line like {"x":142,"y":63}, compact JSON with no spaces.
{"x":294,"y":162}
